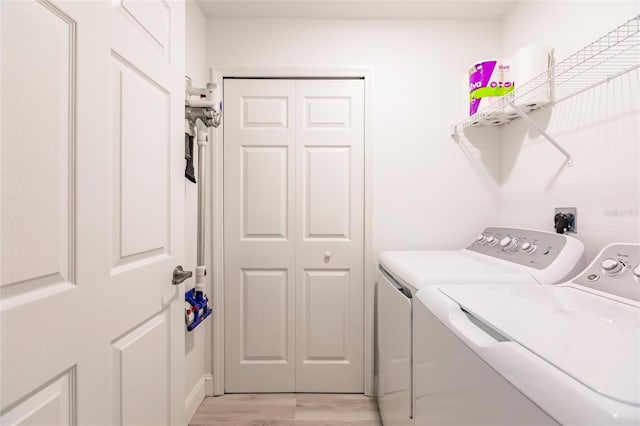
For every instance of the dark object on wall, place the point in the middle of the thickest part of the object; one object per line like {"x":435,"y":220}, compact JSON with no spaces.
{"x":189,"y":172}
{"x":563,"y":222}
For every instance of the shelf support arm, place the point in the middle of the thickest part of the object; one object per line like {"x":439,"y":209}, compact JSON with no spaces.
{"x":547,"y":136}
{"x":454,"y":133}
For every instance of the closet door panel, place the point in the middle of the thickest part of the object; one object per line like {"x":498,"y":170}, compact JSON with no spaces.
{"x":259,"y":250}
{"x":329,"y":235}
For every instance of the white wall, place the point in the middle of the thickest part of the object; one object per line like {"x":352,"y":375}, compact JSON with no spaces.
{"x":430,"y":192}
{"x":196,"y":341}
{"x":427,"y":192}
{"x":599,"y":128}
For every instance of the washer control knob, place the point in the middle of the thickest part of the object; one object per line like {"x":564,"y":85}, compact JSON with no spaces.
{"x":611,"y":266}
{"x":528,"y":247}
{"x":507,"y":243}
{"x":481,"y":239}
{"x":636,"y":271}
{"x":491,"y":241}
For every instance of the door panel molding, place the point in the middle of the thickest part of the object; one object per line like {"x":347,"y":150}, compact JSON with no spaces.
{"x":137,"y":236}
{"x":325,"y":316}
{"x":53,"y":400}
{"x":325,"y":112}
{"x":335,"y":195}
{"x":264,"y":316}
{"x":266,"y":218}
{"x":150,"y":25}
{"x":35,"y":267}
{"x":257,"y":114}
{"x":151,"y":22}
{"x":133,"y":370}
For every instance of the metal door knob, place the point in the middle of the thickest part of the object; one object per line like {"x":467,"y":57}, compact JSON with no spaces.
{"x":180,"y":275}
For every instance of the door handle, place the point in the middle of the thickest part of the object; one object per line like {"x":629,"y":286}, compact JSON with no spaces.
{"x":179,"y":275}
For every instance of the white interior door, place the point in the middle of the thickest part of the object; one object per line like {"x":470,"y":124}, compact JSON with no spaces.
{"x":329,"y":235}
{"x":293,"y":211}
{"x":92,"y":157}
{"x":259,"y":179}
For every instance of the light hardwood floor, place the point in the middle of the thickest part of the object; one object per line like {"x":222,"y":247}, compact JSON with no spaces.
{"x":288,"y":410}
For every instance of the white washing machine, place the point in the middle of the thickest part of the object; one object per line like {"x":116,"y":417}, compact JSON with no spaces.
{"x":498,"y":255}
{"x":506,"y":355}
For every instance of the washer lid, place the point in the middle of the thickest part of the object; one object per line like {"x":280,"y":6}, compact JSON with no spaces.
{"x":591,"y":338}
{"x":433,"y":267}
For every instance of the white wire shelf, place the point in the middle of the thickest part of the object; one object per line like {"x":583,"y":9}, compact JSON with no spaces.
{"x":612,"y":55}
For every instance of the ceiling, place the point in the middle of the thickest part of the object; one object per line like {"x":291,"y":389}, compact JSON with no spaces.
{"x":357,"y":9}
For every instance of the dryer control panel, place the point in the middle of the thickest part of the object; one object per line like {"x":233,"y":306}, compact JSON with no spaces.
{"x":527,"y":247}
{"x":616,"y":270}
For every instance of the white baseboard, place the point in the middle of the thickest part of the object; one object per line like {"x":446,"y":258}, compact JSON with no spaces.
{"x":195,"y":398}
{"x":208,"y":385}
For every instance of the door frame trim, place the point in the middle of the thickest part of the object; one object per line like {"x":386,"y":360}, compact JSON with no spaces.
{"x":217,"y":207}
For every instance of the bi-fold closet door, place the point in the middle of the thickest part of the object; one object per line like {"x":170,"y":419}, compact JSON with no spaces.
{"x":293,"y":235}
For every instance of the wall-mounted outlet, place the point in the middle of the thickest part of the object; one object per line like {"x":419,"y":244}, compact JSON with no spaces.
{"x":565,"y":219}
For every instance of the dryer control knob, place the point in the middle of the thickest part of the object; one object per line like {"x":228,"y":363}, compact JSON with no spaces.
{"x":481,"y":239}
{"x":507,"y":243}
{"x":491,"y":241}
{"x":528,"y":248}
{"x":611,"y":266}
{"x":636,"y":271}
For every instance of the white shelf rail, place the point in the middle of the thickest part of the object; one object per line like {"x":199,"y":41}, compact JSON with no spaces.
{"x":611,"y":56}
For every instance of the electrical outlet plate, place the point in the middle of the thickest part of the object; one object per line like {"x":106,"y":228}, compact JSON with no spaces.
{"x":574,"y":212}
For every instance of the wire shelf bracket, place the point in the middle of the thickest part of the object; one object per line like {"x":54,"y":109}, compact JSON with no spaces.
{"x":543,"y":132}
{"x":612,"y":55}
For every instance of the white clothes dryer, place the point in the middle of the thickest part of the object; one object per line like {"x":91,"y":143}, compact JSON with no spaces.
{"x":498,"y":255}
{"x":505,"y":355}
